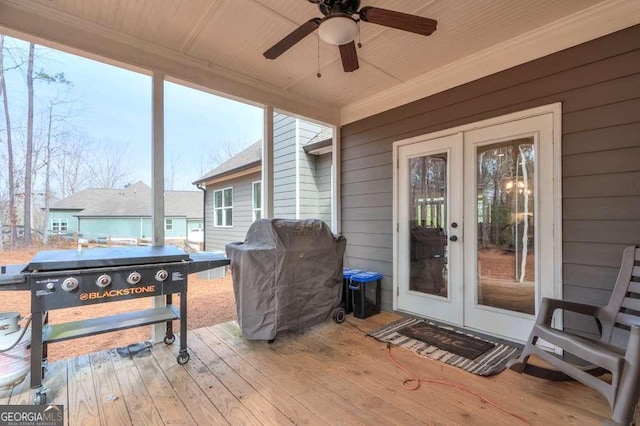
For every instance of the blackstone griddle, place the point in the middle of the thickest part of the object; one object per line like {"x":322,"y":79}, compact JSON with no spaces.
{"x":60,"y":279}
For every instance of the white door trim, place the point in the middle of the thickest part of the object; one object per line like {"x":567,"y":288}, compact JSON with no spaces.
{"x":556,"y":110}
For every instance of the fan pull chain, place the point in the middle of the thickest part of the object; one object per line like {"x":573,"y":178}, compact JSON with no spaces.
{"x":318,"y":74}
{"x":359,"y":43}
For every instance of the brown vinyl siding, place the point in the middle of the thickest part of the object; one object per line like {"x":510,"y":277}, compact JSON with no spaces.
{"x":598,"y":84}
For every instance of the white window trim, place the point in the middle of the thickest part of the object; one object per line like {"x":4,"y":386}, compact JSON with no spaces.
{"x":253,"y":198}
{"x":59,"y":224}
{"x":217,"y":210}
{"x":168,"y":224}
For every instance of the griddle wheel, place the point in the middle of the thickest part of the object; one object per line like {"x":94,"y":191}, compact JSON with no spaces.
{"x":339,"y":315}
{"x":40,"y":398}
{"x":168,"y":340}
{"x":183,"y":358}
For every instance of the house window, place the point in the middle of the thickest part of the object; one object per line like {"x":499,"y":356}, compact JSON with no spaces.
{"x":168,"y":224}
{"x":223,"y":207}
{"x":59,"y":225}
{"x":257,"y":200}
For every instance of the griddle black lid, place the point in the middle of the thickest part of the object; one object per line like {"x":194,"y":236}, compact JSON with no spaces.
{"x":59,"y":260}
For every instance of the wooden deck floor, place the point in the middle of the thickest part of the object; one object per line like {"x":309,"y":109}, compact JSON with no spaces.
{"x":330,"y":374}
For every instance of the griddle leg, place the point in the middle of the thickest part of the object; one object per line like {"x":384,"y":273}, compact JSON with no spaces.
{"x":169,"y":337}
{"x":183,"y":356}
{"x":37,"y":359}
{"x":45,"y":345}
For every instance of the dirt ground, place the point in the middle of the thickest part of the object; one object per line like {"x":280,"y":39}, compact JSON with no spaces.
{"x":497,"y":264}
{"x":209,"y":302}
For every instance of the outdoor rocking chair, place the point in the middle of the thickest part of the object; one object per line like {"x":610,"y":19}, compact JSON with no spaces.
{"x":620,"y":314}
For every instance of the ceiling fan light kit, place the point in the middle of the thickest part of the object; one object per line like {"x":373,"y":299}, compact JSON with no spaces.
{"x":339,"y":27}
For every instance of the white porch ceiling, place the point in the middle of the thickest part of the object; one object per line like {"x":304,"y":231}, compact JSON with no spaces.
{"x":226,"y":39}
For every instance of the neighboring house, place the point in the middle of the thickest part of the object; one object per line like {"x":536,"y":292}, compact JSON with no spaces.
{"x":124,"y":213}
{"x":302,"y":182}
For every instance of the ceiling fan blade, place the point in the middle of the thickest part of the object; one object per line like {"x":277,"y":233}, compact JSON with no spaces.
{"x":289,"y":41}
{"x":349,"y":57}
{"x":398,"y":20}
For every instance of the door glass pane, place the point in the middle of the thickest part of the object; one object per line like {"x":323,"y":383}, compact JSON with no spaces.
{"x":427,"y":219}
{"x":506,"y":174}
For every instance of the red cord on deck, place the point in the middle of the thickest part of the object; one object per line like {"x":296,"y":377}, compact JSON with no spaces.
{"x":406,"y":383}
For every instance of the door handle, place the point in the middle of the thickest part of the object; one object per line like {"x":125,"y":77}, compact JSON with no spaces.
{"x":453,"y":238}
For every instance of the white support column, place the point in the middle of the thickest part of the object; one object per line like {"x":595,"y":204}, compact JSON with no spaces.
{"x":336,"y":216}
{"x":157,"y":182}
{"x":157,"y":164}
{"x":267,"y":164}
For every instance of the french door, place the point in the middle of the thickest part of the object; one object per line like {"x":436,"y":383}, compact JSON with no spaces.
{"x":476,"y":212}
{"x":429,"y":225}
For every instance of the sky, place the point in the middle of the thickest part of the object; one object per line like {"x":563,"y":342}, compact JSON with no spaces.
{"x":113,"y":105}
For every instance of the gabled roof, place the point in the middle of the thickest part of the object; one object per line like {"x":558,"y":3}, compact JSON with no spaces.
{"x":320,"y":143}
{"x":134,"y":200}
{"x":247,"y":158}
{"x":325,"y":134}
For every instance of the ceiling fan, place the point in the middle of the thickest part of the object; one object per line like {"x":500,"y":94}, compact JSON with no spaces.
{"x":339,"y":27}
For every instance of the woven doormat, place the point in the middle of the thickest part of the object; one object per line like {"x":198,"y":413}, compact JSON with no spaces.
{"x":490,"y":362}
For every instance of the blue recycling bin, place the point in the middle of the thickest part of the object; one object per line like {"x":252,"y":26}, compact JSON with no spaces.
{"x":365,"y":290}
{"x":347,"y":300}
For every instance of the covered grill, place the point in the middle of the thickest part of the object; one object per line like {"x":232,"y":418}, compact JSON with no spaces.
{"x":68,"y":278}
{"x":287,"y":275}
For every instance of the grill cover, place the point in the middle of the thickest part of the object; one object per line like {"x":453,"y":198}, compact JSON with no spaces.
{"x":287,"y":275}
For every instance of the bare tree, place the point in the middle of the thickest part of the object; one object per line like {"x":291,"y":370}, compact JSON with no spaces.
{"x":52,"y":118}
{"x":107,"y":165}
{"x":171,"y":175}
{"x":13,"y":219}
{"x":28,"y":161}
{"x":68,"y":169}
{"x":47,"y":179}
{"x":211,"y":155}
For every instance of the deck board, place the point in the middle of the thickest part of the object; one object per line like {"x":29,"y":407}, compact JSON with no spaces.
{"x":257,"y":404}
{"x":224,"y":401}
{"x":454,"y":405}
{"x":343,"y":379}
{"x":83,"y":404}
{"x":328,"y":374}
{"x":310,"y":393}
{"x":111,"y":405}
{"x":276,"y":395}
{"x":163,"y":395}
{"x":195,"y":401}
{"x":386,"y":379}
{"x":141,"y":408}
